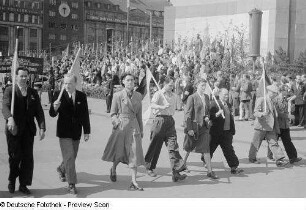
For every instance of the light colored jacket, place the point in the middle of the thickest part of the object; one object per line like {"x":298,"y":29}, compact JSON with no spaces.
{"x":269,"y":122}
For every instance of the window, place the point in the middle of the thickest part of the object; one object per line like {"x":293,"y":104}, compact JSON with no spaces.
{"x":19,"y":17}
{"x":33,"y":46}
{"x":26,"y":18}
{"x":20,"y":32}
{"x":63,"y":26}
{"x":108,"y":6}
{"x":51,"y":13}
{"x":11,"y":17}
{"x":34,"y":19}
{"x":88,"y":4}
{"x":51,"y":24}
{"x":63,"y":37}
{"x":33,"y":32}
{"x":52,"y":2}
{"x":3,"y":16}
{"x":74,"y":16}
{"x":20,"y":46}
{"x":75,"y":5}
{"x":51,"y":36}
{"x":98,"y":5}
{"x":17,"y":3}
{"x":75,"y":27}
{"x":3,"y":31}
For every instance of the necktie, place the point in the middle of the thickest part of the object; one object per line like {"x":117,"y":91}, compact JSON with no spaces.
{"x":71,"y":100}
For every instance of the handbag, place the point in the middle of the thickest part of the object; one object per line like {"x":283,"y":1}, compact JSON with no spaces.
{"x":190,"y":141}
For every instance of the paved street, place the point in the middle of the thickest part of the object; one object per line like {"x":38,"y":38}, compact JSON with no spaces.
{"x":260,"y":181}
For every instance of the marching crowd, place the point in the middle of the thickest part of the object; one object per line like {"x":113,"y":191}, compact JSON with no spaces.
{"x":182,"y":79}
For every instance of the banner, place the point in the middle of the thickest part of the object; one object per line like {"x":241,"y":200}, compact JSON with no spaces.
{"x":35,"y":65}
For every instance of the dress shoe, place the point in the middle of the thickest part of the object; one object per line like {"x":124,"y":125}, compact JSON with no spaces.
{"x":61,"y":175}
{"x":11,"y":186}
{"x":295,"y":160}
{"x":182,"y":168}
{"x":254,"y":161}
{"x":113,"y":176}
{"x":177,"y":176}
{"x":212,"y":175}
{"x":151,"y":173}
{"x":72,"y":189}
{"x":236,"y":170}
{"x":281,"y":163}
{"x":134,"y":187}
{"x":24,"y":190}
{"x":300,"y":126}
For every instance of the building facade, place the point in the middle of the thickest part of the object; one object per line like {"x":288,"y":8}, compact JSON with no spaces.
{"x":283,"y":21}
{"x":107,"y":20}
{"x":63,"y":24}
{"x":26,"y":14}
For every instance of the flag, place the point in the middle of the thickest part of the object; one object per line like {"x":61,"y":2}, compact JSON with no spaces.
{"x":75,"y":69}
{"x":146,"y":101}
{"x":263,"y":83}
{"x":65,"y":53}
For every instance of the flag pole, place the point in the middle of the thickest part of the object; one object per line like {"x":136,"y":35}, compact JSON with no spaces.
{"x":157,"y":86}
{"x":264,"y":83}
{"x":14,"y":68}
{"x":63,"y":88}
{"x":214,"y":97}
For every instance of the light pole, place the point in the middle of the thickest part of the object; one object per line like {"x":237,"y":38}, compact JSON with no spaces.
{"x":127,"y":21}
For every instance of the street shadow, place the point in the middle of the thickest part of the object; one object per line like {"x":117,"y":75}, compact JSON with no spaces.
{"x":297,"y":129}
{"x":298,"y":138}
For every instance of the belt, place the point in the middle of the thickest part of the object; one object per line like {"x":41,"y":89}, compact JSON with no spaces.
{"x":165,"y":116}
{"x":130,"y":116}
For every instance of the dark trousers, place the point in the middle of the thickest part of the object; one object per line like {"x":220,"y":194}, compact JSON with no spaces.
{"x":287,"y":142}
{"x":299,"y":114}
{"x":225,"y":140}
{"x":21,"y":161}
{"x":163,"y":130}
{"x":50,"y":95}
{"x":109,"y":99}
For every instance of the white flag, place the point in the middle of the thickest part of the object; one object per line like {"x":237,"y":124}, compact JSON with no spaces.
{"x":75,"y":69}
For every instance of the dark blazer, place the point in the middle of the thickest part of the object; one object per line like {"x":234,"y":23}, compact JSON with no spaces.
{"x":218,"y":122}
{"x":194,"y":114}
{"x":299,"y":93}
{"x":71,"y":118}
{"x":24,"y":114}
{"x":188,"y":88}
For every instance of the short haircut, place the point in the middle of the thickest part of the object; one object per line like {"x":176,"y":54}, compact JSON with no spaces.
{"x":199,"y":80}
{"x":22,"y":69}
{"x":124,"y":75}
{"x":70,"y":75}
{"x":167,"y":80}
{"x":223,"y":90}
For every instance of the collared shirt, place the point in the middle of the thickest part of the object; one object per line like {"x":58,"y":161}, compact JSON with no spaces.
{"x":159,"y":99}
{"x":23,"y":90}
{"x":227,"y":114}
{"x":73,"y":96}
{"x":203,"y":101}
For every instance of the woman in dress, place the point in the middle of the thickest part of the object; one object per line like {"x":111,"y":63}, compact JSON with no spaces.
{"x":125,"y":143}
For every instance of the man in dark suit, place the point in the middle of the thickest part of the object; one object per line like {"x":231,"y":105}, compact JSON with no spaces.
{"x":223,"y":130}
{"x":21,"y":129}
{"x":188,"y":88}
{"x":73,"y":115}
{"x":299,"y":90}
